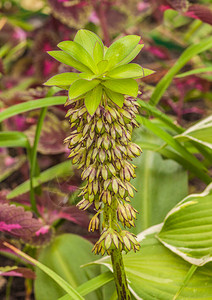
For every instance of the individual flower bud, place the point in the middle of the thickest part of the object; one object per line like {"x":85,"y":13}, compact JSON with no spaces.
{"x":135,"y":149}
{"x":99,"y":125}
{"x":118,"y":129}
{"x":104,"y":172}
{"x":94,"y":223}
{"x":115,"y":185}
{"x":84,"y":204}
{"x":102,"y":155}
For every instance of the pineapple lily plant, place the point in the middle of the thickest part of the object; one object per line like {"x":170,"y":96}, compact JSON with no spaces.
{"x":102,"y":117}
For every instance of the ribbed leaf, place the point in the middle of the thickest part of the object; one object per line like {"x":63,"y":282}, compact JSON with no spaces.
{"x":187,"y":228}
{"x":102,"y":66}
{"x":126,"y":71}
{"x":98,"y":53}
{"x":87,"y":39}
{"x":93,"y":99}
{"x":200,"y":133}
{"x":120,"y":49}
{"x":78,"y":53}
{"x":66,"y":59}
{"x":81,"y":87}
{"x":62,"y":79}
{"x":117,"y":98}
{"x":156,"y":273}
{"x":123,"y":86}
{"x":64,"y":256}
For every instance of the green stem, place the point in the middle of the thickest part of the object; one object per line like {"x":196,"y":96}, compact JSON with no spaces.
{"x":120,"y":275}
{"x":34,"y":157}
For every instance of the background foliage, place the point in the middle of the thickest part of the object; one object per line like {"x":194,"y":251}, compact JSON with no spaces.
{"x":39,"y":186}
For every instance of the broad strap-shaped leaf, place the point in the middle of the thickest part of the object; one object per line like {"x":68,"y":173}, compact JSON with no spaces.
{"x":78,"y":53}
{"x":93,"y":99}
{"x":117,"y":98}
{"x":123,"y":86}
{"x":21,"y":224}
{"x":131,"y":55}
{"x":187,"y":228}
{"x":200,"y":133}
{"x":120,"y":49}
{"x":156,"y":273}
{"x":62,"y":79}
{"x":66,"y":59}
{"x":81,"y":86}
{"x":88,"y":40}
{"x":64,"y":256}
{"x":126,"y":71}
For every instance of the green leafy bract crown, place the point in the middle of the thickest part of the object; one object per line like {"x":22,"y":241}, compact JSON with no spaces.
{"x":104,"y":71}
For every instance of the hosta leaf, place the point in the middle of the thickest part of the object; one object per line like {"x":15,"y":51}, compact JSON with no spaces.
{"x":21,"y":224}
{"x":187,"y":228}
{"x":52,"y":136}
{"x":81,"y":87}
{"x":123,"y":86}
{"x":121,"y":48}
{"x":88,"y":40}
{"x":65,"y":255}
{"x":78,"y":53}
{"x":200,"y":133}
{"x":126,"y":71}
{"x":16,"y":271}
{"x":93,"y":99}
{"x":132,"y":55}
{"x":156,"y":273}
{"x":115,"y":97}
{"x":155,"y":199}
{"x":62,"y":79}
{"x":66,"y":59}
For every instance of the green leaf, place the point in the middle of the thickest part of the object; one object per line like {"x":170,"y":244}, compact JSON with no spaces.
{"x":60,"y":170}
{"x":98,"y":53}
{"x":200,"y":133}
{"x":65,"y":255}
{"x":120,"y":49}
{"x":62,"y":79}
{"x":195,"y":71}
{"x":92,"y":284}
{"x":48,"y":273}
{"x":194,"y":164}
{"x":13,"y":139}
{"x":187,"y":228}
{"x":132,"y":55}
{"x":123,"y":86}
{"x":88,"y":40}
{"x":30,"y":105}
{"x":153,"y":111}
{"x":81,"y":86}
{"x":93,"y":99}
{"x":78,"y":53}
{"x":117,"y":98}
{"x":102,"y":66}
{"x":156,"y":273}
{"x":126,"y":71}
{"x":190,"y":52}
{"x":164,"y":184}
{"x":147,"y":72}
{"x":66,"y":59}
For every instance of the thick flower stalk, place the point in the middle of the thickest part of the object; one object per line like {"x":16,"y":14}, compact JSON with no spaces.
{"x":102,"y":120}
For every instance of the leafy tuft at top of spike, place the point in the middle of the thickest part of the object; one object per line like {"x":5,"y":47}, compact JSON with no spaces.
{"x":104,"y":71}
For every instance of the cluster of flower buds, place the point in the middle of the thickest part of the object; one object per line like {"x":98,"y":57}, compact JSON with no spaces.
{"x":102,"y":120}
{"x":101,"y":145}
